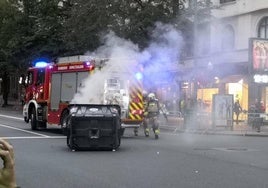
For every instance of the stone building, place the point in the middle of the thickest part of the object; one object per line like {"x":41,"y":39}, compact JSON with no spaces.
{"x":231,"y":53}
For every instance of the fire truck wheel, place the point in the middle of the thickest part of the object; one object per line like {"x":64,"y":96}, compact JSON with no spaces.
{"x":33,"y":120}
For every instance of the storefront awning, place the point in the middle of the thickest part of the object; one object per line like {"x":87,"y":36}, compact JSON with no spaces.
{"x":226,"y":70}
{"x":232,"y":78}
{"x":226,"y":73}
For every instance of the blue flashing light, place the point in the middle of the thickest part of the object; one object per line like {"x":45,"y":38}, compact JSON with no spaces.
{"x":41,"y":64}
{"x":139,"y":75}
{"x":88,"y":63}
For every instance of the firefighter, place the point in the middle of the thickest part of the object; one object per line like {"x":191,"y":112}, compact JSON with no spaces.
{"x":151,"y":115}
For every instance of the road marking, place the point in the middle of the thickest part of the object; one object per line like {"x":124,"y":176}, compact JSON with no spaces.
{"x":22,"y":130}
{"x":12,"y":117}
{"x":32,"y":137}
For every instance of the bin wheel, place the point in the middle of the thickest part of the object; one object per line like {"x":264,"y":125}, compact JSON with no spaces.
{"x":122,"y":130}
{"x":68,"y":142}
{"x":64,"y":122}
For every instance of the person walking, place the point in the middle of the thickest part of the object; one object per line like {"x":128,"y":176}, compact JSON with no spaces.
{"x":237,"y":110}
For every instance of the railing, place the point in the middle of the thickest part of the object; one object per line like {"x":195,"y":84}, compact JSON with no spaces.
{"x":254,"y":120}
{"x":203,"y":120}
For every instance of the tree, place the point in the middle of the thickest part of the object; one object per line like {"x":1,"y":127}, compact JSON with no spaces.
{"x":87,"y":20}
{"x":62,"y":27}
{"x":8,"y":20}
{"x":199,"y":13}
{"x":133,"y":20}
{"x":28,"y":29}
{"x":40,"y":31}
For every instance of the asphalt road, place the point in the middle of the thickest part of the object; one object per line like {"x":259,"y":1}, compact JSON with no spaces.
{"x":175,"y":160}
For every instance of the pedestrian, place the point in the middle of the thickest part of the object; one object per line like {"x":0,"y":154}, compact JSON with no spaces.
{"x":258,"y":121}
{"x":7,"y":173}
{"x":237,"y":110}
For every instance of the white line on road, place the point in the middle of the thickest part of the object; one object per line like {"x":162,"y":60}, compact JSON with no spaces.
{"x":31,"y":137}
{"x":12,"y":117}
{"x":22,"y":130}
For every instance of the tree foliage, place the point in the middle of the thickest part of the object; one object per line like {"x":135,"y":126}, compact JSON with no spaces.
{"x":133,"y":19}
{"x":53,"y":28}
{"x":33,"y":28}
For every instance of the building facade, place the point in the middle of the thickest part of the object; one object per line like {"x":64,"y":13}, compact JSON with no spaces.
{"x":231,"y":55}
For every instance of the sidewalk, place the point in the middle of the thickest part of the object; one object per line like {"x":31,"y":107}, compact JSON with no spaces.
{"x":241,"y":129}
{"x":13,"y":108}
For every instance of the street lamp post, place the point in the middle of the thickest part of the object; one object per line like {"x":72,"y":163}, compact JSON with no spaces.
{"x":195,"y":42}
{"x":198,"y":8}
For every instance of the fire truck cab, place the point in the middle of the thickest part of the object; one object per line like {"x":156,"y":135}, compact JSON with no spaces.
{"x":49,"y":87}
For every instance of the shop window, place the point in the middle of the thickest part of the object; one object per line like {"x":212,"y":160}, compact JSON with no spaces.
{"x":29,"y":78}
{"x":228,"y":38}
{"x":263,"y":28}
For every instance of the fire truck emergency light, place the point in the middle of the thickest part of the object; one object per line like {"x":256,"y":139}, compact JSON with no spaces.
{"x":41,"y":64}
{"x":89,"y":64}
{"x":138,"y":75}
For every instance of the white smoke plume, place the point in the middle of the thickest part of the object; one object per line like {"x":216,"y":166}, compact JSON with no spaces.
{"x":123,"y":56}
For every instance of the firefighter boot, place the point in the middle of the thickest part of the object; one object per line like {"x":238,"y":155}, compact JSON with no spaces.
{"x":146,"y":132}
{"x":156,"y":134}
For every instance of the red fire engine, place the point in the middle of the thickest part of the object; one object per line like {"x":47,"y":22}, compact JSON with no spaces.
{"x":49,"y":88}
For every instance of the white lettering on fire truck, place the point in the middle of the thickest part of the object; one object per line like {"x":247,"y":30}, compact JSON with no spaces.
{"x":76,"y":66}
{"x":63,"y":68}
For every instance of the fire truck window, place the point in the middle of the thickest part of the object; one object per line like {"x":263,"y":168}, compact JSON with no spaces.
{"x":68,"y":86}
{"x":29,"y":79}
{"x":81,"y":76}
{"x":40,"y":76}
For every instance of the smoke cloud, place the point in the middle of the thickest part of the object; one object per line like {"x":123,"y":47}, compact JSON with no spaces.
{"x":123,"y":55}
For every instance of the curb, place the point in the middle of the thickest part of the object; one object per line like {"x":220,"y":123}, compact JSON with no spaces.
{"x":209,"y":132}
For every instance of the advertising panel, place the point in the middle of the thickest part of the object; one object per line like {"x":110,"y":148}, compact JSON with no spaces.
{"x":222,"y":112}
{"x":258,"y":55}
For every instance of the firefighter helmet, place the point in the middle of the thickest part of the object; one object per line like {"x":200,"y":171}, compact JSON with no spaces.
{"x":151,"y":96}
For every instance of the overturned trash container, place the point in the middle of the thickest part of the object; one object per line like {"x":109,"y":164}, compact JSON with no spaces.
{"x":94,"y":127}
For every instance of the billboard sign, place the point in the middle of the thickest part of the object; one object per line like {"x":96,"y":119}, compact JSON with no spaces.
{"x":258,"y":55}
{"x":222,"y":110}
